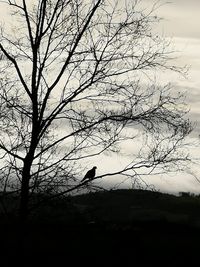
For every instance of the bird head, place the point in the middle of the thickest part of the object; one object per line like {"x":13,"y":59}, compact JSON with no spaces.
{"x":94,"y":167}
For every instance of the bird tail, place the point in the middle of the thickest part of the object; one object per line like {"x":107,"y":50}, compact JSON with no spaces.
{"x":84,"y":178}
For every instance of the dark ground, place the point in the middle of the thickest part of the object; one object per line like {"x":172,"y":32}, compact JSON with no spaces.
{"x":158,"y":231}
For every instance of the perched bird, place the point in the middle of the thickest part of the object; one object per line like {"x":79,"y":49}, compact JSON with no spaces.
{"x":90,"y":174}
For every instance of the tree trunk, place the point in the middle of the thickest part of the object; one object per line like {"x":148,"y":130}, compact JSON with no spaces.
{"x":26,"y":174}
{"x":24,"y":197}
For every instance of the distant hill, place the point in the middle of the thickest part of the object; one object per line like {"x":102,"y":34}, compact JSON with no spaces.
{"x":128,"y":206}
{"x":110,"y":228}
{"x":124,"y":206}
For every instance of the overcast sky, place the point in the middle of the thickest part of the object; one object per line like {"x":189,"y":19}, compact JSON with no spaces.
{"x":181,"y":22}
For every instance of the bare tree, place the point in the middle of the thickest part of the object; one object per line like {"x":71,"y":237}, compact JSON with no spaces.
{"x":73,"y":86}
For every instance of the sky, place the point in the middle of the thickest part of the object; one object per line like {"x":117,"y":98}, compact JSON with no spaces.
{"x":181,"y":22}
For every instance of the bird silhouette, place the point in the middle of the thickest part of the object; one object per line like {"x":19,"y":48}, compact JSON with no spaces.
{"x":90,"y":174}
